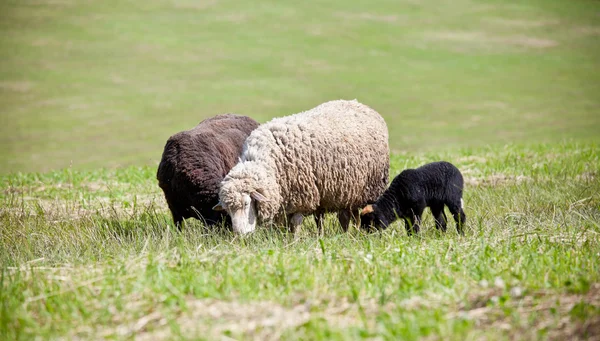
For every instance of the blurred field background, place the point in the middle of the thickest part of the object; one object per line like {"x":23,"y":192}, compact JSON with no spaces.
{"x":104,"y":83}
{"x":509,"y":91}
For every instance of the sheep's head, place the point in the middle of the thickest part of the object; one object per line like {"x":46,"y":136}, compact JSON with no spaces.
{"x":241,"y":207}
{"x":241,"y":194}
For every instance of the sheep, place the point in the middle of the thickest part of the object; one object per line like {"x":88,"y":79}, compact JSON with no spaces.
{"x":308,"y":163}
{"x":195,"y":161}
{"x":432,"y":185}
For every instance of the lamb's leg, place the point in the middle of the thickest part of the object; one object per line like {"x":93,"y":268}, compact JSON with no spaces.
{"x":408,"y":224}
{"x":458,"y":213}
{"x":414,"y":220}
{"x":344,"y":218}
{"x":411,"y":224}
{"x":440,"y":217}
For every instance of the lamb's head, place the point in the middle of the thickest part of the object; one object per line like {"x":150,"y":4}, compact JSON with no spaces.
{"x":242,"y":194}
{"x":371,"y":217}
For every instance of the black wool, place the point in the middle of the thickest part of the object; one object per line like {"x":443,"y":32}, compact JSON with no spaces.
{"x":195,"y":161}
{"x":432,"y":185}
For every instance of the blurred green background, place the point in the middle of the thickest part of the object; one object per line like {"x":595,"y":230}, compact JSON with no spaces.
{"x":94,"y":84}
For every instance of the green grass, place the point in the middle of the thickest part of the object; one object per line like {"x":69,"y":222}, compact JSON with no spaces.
{"x":104,"y":83}
{"x":95,"y":255}
{"x":91,"y":90}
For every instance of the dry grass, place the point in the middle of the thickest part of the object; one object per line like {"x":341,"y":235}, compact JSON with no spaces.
{"x":477,"y":40}
{"x":526,"y":315}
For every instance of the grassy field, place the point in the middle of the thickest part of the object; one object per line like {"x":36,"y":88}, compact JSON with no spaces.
{"x":104,"y":83}
{"x":91,"y":90}
{"x":92,"y":255}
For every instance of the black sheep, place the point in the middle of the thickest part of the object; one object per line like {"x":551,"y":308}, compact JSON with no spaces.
{"x":432,"y":185}
{"x":195,"y":161}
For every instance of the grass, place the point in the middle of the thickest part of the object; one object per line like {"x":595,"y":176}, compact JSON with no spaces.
{"x":95,"y":255}
{"x":91,"y":90}
{"x":104,"y":83}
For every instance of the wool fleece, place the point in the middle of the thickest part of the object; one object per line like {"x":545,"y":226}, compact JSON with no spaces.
{"x":334,"y":157}
{"x":195,"y":161}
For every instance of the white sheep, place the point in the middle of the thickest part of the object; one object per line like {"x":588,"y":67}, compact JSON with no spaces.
{"x":332,"y":158}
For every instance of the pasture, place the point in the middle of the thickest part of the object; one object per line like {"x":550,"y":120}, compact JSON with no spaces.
{"x":507,"y":91}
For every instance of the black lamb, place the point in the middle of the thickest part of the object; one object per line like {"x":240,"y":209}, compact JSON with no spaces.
{"x":432,"y":185}
{"x":195,"y":161}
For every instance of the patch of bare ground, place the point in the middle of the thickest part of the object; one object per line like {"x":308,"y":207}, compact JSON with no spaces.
{"x":270,"y":102}
{"x":16,"y":86}
{"x":116,"y":79}
{"x":194,"y":5}
{"x":577,"y":241}
{"x":57,"y":3}
{"x":494,"y":180}
{"x":472,"y":158}
{"x":320,"y":65}
{"x":526,"y":41}
{"x":587,"y":176}
{"x":93,"y":186}
{"x":309,"y":65}
{"x":315,"y":30}
{"x":558,"y":316}
{"x":146,"y":48}
{"x":484,"y":39}
{"x":491,"y":9}
{"x":588,"y":30}
{"x":104,"y":206}
{"x":390,"y":18}
{"x":51,"y":42}
{"x":258,"y":320}
{"x":523,"y":23}
{"x":473,"y":177}
{"x":488,"y":105}
{"x":233,"y":18}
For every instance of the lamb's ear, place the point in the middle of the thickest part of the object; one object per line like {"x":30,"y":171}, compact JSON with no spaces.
{"x":257,"y":196}
{"x":218,"y":207}
{"x":367,"y":209}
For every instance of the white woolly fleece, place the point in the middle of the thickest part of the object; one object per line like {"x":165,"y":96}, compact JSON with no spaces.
{"x":333,"y":157}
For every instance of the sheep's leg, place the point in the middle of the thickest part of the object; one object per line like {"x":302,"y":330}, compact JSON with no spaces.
{"x":460,"y":218}
{"x":356,"y":217}
{"x":178,"y":220}
{"x":319,"y":221}
{"x":294,"y":221}
{"x":344,"y":218}
{"x":440,"y":217}
{"x":288,"y":224}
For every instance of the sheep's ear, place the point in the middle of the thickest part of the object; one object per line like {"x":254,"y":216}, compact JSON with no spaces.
{"x":257,"y":196}
{"x":367,"y":209}
{"x":218,"y":207}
